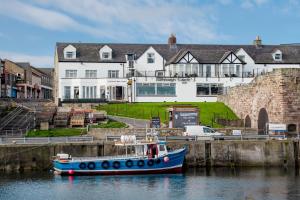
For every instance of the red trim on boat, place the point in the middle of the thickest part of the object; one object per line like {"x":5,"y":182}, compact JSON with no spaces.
{"x":124,"y":172}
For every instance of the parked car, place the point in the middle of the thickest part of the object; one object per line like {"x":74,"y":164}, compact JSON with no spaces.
{"x":202,"y":131}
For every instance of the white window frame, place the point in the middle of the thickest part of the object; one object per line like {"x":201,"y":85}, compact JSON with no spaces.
{"x":113,"y":73}
{"x":69,"y":54}
{"x":90,"y":73}
{"x":150,"y":58}
{"x":71,"y":73}
{"x":105,"y":55}
{"x":277,"y":58}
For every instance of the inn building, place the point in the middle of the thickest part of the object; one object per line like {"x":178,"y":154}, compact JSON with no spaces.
{"x":96,"y":72}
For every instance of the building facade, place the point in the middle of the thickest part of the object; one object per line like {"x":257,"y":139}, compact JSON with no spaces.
{"x":21,"y":80}
{"x":162,"y":72}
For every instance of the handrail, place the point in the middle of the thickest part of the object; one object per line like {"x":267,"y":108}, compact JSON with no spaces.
{"x":10,"y":116}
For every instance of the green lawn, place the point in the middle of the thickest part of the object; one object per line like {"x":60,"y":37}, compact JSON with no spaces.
{"x":147,"y":110}
{"x":111,"y":124}
{"x":57,"y":132}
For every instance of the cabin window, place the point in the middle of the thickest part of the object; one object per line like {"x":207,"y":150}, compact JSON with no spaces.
{"x":162,"y":148}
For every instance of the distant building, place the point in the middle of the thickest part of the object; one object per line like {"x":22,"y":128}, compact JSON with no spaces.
{"x":21,"y":80}
{"x":91,"y":72}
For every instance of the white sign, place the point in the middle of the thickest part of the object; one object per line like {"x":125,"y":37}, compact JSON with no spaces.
{"x":236,"y":132}
{"x":277,"y":127}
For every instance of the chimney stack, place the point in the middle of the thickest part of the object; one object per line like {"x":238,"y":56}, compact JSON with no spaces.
{"x":172,"y":42}
{"x":257,"y":42}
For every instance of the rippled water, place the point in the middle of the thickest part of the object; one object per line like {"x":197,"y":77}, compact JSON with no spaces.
{"x":194,"y":184}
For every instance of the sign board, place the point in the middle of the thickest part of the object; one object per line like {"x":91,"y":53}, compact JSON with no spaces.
{"x":277,"y":127}
{"x":155,"y":122}
{"x":236,"y":132}
{"x":184,"y":117}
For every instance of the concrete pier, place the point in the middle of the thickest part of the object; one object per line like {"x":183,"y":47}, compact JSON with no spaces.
{"x":200,"y":154}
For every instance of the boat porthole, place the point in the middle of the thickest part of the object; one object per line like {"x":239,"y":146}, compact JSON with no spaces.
{"x":116,"y":164}
{"x":82,"y":165}
{"x":140,"y":163}
{"x":91,"y":165}
{"x":129,"y":163}
{"x":150,"y":162}
{"x":158,"y":161}
{"x":105,"y":164}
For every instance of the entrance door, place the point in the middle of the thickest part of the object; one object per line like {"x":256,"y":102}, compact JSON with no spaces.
{"x":119,"y":93}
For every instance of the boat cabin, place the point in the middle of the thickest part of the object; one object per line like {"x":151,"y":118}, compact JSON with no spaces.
{"x":144,"y":148}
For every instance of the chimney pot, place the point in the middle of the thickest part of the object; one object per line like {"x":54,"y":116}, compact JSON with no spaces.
{"x":257,"y":42}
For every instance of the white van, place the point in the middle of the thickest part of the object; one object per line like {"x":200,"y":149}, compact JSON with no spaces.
{"x":197,"y":130}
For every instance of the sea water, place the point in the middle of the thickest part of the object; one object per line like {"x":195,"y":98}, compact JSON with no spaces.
{"x":220,"y":183}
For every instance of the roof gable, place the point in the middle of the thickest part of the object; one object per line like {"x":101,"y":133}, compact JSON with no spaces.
{"x":230,"y":58}
{"x":187,"y":58}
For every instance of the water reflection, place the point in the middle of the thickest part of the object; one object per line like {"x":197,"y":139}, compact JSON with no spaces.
{"x":219,"y":183}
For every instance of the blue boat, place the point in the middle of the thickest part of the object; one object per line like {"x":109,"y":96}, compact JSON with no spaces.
{"x":140,"y":157}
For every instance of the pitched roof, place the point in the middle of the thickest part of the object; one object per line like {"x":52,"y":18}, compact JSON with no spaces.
{"x":210,"y":54}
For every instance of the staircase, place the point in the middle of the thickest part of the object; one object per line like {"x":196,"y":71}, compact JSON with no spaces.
{"x":17,"y":122}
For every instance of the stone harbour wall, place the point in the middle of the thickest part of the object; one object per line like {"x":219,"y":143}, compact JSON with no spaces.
{"x":277,"y":92}
{"x":199,"y":154}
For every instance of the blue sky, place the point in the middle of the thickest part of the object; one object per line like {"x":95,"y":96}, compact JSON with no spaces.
{"x":30,"y":28}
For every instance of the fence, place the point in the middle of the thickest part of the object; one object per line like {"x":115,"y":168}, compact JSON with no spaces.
{"x":203,"y":138}
{"x":45,"y":140}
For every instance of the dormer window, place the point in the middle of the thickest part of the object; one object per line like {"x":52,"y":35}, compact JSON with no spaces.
{"x":277,"y":55}
{"x":70,"y":52}
{"x":105,"y":55}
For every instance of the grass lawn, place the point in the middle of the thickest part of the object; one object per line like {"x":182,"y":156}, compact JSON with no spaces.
{"x":56,"y":132}
{"x":146,"y":110}
{"x":111,"y":124}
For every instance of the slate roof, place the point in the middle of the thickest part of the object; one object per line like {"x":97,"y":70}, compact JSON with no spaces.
{"x":209,"y":54}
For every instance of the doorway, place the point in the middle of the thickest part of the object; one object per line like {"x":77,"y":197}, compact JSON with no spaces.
{"x":119,"y":93}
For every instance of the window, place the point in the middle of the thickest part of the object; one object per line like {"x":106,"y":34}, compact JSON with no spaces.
{"x":150,"y":58}
{"x":201,"y":70}
{"x":156,"y":89}
{"x":90,"y":73}
{"x":161,"y":147}
{"x":231,"y":69}
{"x":76,"y":92}
{"x":187,"y":69}
{"x":208,"y":71}
{"x":89,"y":92}
{"x":277,"y":57}
{"x":216,"y":89}
{"x":195,"y":69}
{"x":69,"y":54}
{"x":209,"y":89}
{"x":105,"y":55}
{"x":113,"y":73}
{"x":145,"y":89}
{"x":202,"y":89}
{"x":226,"y":70}
{"x":67,"y":92}
{"x":166,"y":89}
{"x":242,"y":58}
{"x":71,"y":73}
{"x":238,"y":70}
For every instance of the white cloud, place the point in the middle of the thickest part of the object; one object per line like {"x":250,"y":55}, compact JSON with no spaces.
{"x":122,"y":20}
{"x":38,"y":61}
{"x":247,"y":4}
{"x":44,"y":18}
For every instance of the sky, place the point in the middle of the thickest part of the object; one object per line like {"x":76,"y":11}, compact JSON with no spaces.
{"x":29,"y":29}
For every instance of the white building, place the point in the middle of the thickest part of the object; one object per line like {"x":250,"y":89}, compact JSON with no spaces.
{"x":89,"y":72}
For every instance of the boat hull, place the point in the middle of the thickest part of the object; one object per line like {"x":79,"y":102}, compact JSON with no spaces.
{"x":171,"y":163}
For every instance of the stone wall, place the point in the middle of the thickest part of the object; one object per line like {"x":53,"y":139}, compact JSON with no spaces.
{"x":199,"y":154}
{"x":277,"y":92}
